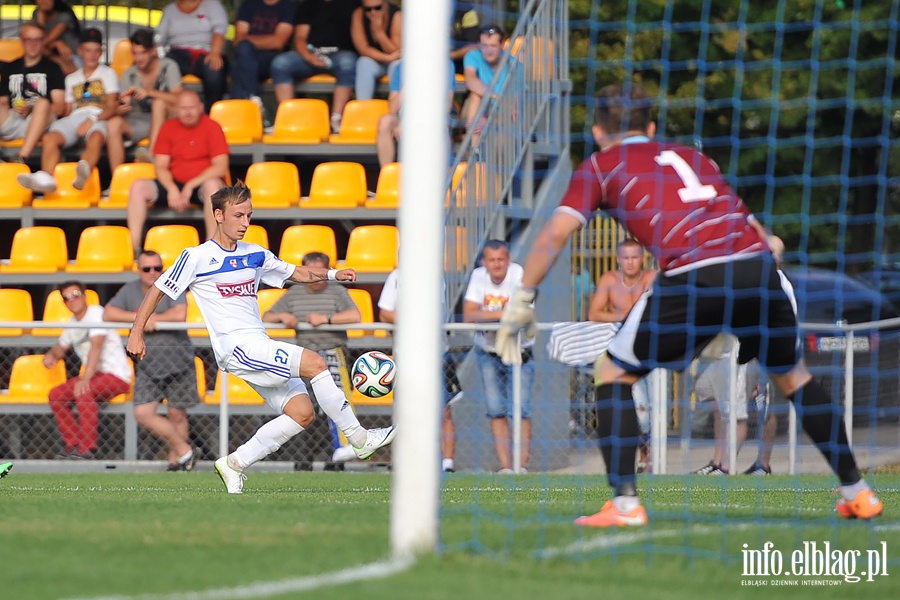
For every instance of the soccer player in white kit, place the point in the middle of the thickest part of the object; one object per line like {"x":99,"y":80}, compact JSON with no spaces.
{"x":224,"y":274}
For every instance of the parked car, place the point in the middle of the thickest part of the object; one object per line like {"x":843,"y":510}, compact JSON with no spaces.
{"x":831,"y":298}
{"x":886,"y":279}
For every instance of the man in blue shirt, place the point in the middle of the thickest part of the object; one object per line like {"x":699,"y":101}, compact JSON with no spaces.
{"x":480,"y":66}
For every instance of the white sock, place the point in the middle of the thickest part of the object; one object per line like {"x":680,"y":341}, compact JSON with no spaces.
{"x":265,"y":441}
{"x":626,"y":504}
{"x":337,"y":407}
{"x":446,"y":463}
{"x":849,"y":492}
{"x":184,"y":458}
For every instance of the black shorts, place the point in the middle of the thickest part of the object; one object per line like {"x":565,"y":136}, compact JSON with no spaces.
{"x":750,"y":298}
{"x":162,"y":196}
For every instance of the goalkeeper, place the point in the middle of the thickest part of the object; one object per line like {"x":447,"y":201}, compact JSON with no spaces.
{"x":717,"y":274}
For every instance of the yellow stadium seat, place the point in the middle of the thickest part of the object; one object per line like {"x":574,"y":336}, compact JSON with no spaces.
{"x":194,"y":316}
{"x":11,"y":49}
{"x":122,"y":57}
{"x":30,"y":381}
{"x":298,"y":240}
{"x":15,"y":305}
{"x":14,"y":195}
{"x":372,"y":249}
{"x":337,"y":185}
{"x":359,"y":124}
{"x":201,"y":376}
{"x":387,"y":191}
{"x":257,"y":234}
{"x":300,"y":121}
{"x":363,"y":301}
{"x":274,"y":184}
{"x":103,"y":249}
{"x":266,"y":300}
{"x":240,"y":120}
{"x":55,"y":311}
{"x":120,"y":186}
{"x":67,"y":196}
{"x":170,"y":240}
{"x":239,"y":392}
{"x":37,"y":250}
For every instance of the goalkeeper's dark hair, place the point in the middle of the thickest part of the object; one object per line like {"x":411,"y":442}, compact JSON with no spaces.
{"x":235,"y":194}
{"x":621,"y":108}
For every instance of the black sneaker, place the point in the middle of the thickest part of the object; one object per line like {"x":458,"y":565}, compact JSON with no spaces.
{"x":758,"y":469}
{"x":174,"y":467}
{"x":711,"y":469}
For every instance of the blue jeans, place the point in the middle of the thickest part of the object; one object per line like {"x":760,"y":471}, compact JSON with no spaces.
{"x":288,"y":66}
{"x":368,"y":72}
{"x":249,"y":67}
{"x":192,"y":63}
{"x":497,"y":380}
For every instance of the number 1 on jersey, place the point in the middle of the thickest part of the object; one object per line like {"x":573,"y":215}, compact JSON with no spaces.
{"x":693,"y":190}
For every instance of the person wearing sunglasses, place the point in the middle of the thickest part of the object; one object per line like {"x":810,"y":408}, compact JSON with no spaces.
{"x":168,"y":371}
{"x":376,"y":32}
{"x":31,"y":93}
{"x":105,"y":373}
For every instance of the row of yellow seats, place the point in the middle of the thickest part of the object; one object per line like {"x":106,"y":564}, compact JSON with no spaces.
{"x":108,"y":249}
{"x":17,"y":305}
{"x":30,"y":382}
{"x":274,"y":185}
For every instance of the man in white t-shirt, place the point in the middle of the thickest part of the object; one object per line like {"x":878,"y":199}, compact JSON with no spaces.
{"x":224,"y":274}
{"x":490,"y":288}
{"x":387,"y":313}
{"x":106,"y":373}
{"x":92,"y":98}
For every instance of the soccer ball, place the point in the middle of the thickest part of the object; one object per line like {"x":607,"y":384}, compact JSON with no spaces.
{"x":373,"y":374}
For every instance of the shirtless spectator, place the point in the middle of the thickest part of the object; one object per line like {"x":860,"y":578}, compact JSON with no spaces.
{"x":618,"y":291}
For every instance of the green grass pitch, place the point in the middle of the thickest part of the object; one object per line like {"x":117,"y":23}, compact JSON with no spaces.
{"x":168,"y":536}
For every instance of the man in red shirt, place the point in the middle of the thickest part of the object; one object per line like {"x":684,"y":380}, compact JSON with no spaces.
{"x":718,"y":274}
{"x":191,"y":158}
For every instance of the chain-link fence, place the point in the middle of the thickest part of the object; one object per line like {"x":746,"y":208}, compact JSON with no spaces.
{"x":865,"y":384}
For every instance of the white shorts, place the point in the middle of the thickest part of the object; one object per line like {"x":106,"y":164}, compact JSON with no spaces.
{"x":714,"y":383}
{"x":68,"y":126}
{"x":265,"y":364}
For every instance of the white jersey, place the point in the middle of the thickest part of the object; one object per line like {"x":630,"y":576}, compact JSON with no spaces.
{"x":224,"y":284}
{"x":113,"y":359}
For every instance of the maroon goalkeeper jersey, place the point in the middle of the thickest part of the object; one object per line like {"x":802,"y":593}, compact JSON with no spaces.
{"x":671,"y":198}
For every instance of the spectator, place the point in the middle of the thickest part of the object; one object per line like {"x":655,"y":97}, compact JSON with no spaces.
{"x":490,"y":288}
{"x":322,"y":44}
{"x":617,"y":292}
{"x":92,"y":98}
{"x":191,"y":158}
{"x":321,"y":303}
{"x":388,"y":133}
{"x":479,"y":68}
{"x":63,"y":33}
{"x":466,"y":33}
{"x":167,"y":372}
{"x":387,"y":309}
{"x":263,"y":29}
{"x":195,"y":31}
{"x":105,"y":375}
{"x":376,"y":31}
{"x":150,"y":88}
{"x":32,"y":95}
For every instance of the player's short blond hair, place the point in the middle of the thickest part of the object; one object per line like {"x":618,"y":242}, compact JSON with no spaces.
{"x":235,"y":194}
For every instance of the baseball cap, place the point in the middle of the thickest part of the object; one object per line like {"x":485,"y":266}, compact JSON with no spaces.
{"x":91,"y":35}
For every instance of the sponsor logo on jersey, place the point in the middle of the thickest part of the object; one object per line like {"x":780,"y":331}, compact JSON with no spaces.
{"x":213,"y":261}
{"x":242,"y":288}
{"x":171,"y":285}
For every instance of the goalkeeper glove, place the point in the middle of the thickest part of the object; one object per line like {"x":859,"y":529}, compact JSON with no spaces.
{"x":517,"y":316}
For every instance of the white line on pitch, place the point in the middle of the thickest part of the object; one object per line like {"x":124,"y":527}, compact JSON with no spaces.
{"x":635,"y":537}
{"x":265,"y":589}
